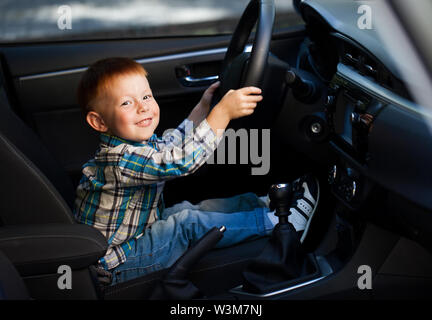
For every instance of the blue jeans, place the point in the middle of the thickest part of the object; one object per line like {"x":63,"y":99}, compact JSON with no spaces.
{"x":244,"y":217}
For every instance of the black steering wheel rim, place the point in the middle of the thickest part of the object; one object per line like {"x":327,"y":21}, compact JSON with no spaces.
{"x":252,"y":68}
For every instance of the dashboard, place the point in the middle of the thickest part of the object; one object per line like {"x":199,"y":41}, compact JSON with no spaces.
{"x":380,"y":135}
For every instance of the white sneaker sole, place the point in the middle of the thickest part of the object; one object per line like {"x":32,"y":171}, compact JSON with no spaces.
{"x":306,"y":229}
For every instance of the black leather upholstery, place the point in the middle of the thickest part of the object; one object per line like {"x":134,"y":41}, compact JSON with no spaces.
{"x":27,"y":197}
{"x":32,"y":191}
{"x":12,"y":287}
{"x":38,"y":232}
{"x":41,"y":249}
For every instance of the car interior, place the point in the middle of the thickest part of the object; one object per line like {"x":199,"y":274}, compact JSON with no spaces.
{"x":336,"y":107}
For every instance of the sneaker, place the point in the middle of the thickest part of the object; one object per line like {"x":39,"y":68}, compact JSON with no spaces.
{"x":306,"y":194}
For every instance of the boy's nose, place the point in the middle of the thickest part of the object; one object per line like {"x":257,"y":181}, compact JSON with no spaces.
{"x":142,"y":106}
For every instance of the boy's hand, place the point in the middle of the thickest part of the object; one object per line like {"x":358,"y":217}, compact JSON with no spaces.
{"x":208,"y":96}
{"x":202,"y":109}
{"x":241,"y":102}
{"x":234,"y":104}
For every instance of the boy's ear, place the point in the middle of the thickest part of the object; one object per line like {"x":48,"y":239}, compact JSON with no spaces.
{"x":96,"y":122}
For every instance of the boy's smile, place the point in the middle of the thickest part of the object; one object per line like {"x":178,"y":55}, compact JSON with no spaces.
{"x":127,"y":108}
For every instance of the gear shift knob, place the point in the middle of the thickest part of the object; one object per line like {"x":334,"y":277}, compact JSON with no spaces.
{"x":280,"y":199}
{"x":283,"y":257}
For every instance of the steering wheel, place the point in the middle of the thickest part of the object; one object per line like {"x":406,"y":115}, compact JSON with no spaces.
{"x":240,"y":68}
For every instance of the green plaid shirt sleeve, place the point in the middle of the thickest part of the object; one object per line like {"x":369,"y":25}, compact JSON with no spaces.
{"x":178,"y":154}
{"x":120,"y":192}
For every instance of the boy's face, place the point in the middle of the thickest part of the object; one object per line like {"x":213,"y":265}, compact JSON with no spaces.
{"x":128,"y":109}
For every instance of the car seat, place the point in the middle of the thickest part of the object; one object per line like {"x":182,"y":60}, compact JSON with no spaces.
{"x":38,"y":232}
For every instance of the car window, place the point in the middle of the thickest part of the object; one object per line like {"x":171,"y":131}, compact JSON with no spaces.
{"x":47,"y":20}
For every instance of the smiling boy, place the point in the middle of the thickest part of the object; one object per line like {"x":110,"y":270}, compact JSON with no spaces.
{"x":120,"y":192}
{"x":125,"y":106}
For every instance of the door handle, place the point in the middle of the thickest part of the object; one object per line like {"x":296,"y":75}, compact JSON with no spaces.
{"x":190,"y":81}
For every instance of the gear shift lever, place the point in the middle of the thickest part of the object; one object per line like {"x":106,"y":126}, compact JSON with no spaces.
{"x":280,"y":198}
{"x":283,"y":260}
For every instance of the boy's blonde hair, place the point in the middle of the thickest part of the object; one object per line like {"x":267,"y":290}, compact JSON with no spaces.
{"x":100,"y":75}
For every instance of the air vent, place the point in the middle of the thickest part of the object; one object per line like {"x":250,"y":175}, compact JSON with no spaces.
{"x":351,"y":59}
{"x":350,"y":55}
{"x":360,"y":61}
{"x":367,"y":65}
{"x":370,"y":69}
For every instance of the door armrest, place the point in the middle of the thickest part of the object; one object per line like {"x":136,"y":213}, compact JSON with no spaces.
{"x":41,"y":249}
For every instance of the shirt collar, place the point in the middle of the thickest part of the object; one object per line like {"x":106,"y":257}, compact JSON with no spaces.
{"x":114,"y":141}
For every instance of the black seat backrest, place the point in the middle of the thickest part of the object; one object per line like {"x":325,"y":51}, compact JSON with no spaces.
{"x":12,"y":286}
{"x":33,"y":186}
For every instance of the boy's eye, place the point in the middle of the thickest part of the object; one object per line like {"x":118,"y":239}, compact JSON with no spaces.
{"x":126,"y":103}
{"x":147,"y":96}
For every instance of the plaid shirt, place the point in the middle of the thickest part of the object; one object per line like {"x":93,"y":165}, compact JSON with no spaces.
{"x":120,"y":192}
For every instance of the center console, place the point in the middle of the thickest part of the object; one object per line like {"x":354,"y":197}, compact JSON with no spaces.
{"x":350,"y":114}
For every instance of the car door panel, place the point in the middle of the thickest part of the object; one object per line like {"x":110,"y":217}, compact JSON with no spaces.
{"x":44,"y":86}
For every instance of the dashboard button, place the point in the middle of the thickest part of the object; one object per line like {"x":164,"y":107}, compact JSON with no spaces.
{"x":332,"y":174}
{"x":354,"y":189}
{"x":330,"y":101}
{"x":316,"y":128}
{"x":355,"y":118}
{"x":350,"y":191}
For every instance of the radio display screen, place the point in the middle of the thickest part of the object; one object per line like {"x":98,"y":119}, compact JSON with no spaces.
{"x":346,"y":133}
{"x":351,"y":117}
{"x":342,"y":121}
